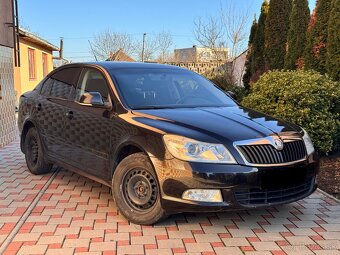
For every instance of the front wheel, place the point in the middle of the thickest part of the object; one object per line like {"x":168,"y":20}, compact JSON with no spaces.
{"x":136,"y":190}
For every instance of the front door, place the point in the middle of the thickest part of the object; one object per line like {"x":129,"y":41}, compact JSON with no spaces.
{"x":88,"y":128}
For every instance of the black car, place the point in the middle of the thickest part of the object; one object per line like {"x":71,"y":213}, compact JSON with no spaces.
{"x":165,"y":139}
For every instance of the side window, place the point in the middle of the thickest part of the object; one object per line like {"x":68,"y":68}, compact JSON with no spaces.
{"x":63,"y":82}
{"x":47,"y":87}
{"x":93,"y":80}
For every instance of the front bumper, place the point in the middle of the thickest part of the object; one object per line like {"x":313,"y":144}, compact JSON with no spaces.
{"x":242,"y":186}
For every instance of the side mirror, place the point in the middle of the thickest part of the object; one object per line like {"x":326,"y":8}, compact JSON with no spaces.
{"x":231,"y":94}
{"x":92,"y":99}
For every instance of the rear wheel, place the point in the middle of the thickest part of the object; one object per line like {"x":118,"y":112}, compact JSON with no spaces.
{"x":34,"y":154}
{"x":136,"y":190}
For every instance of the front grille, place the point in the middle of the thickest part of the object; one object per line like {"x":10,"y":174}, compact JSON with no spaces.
{"x":267,"y":154}
{"x":257,"y":197}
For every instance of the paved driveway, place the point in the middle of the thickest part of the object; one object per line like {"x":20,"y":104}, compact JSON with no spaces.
{"x":64,"y":213}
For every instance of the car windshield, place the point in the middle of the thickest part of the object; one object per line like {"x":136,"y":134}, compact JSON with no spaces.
{"x":168,"y":88}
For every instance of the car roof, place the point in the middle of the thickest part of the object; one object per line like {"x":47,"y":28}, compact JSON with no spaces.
{"x":111,"y":65}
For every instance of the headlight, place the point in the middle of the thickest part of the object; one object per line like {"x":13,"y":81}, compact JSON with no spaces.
{"x":308,"y":143}
{"x":191,"y":150}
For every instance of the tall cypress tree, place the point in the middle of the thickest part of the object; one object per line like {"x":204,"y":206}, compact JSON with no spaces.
{"x":277,"y":26}
{"x":307,"y":58}
{"x":333,"y":41}
{"x":316,"y":46}
{"x":248,"y":64}
{"x":258,"y":63}
{"x":296,"y":40}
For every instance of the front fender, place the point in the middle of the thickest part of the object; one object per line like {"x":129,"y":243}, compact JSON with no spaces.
{"x":151,"y":144}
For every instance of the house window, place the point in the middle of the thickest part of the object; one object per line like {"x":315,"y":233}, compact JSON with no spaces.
{"x":45,"y":64}
{"x":31,"y":64}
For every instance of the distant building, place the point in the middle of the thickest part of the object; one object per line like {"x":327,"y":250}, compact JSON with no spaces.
{"x":238,"y":68}
{"x":8,"y":59}
{"x":201,"y":54}
{"x":36,"y":61}
{"x":198,"y":67}
{"x":200,"y":59}
{"x":57,"y":62}
{"x":120,"y":55}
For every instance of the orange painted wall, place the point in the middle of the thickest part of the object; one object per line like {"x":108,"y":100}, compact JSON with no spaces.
{"x":22,"y":83}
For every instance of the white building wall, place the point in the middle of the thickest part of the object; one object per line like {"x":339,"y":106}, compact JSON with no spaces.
{"x":201,"y":54}
{"x":238,"y":68}
{"x":7,"y":97}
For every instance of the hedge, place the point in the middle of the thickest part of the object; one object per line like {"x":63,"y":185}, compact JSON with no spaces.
{"x":306,"y":98}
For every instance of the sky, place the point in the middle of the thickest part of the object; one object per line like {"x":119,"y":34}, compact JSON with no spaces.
{"x":79,"y":21}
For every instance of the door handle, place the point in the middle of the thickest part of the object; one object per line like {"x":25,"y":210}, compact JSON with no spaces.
{"x":38,"y":106}
{"x":69,"y":115}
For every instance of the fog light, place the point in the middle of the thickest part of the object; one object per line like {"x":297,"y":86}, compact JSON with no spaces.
{"x":203,"y":195}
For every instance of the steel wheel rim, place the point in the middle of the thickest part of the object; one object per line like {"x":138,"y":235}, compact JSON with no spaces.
{"x":140,"y":189}
{"x":33,"y":150}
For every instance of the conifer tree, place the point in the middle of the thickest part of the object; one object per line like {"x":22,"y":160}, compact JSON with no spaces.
{"x":316,"y":46}
{"x":248,"y":64}
{"x":277,"y":25}
{"x":333,"y":41}
{"x":258,"y":63}
{"x":296,"y":40}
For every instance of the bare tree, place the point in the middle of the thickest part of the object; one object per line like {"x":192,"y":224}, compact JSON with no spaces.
{"x":108,"y":42}
{"x":228,"y":29}
{"x":156,"y":47}
{"x":235,"y":23}
{"x":209,"y":33}
{"x":164,"y":42}
{"x":150,"y":48}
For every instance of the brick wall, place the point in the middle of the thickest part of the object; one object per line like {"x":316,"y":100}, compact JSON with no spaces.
{"x":7,"y":97}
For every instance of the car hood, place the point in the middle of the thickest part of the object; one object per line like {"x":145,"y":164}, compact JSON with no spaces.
{"x":232,"y":123}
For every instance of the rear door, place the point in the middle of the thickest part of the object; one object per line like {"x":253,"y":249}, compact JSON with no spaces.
{"x":50,"y":109}
{"x":88,"y":128}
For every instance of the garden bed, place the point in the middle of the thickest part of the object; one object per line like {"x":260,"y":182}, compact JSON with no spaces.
{"x":329,"y":175}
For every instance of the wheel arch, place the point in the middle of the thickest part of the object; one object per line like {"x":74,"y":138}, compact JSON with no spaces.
{"x":126,"y":149}
{"x":27,"y":125}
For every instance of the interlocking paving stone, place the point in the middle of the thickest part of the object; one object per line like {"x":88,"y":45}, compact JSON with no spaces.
{"x":76,"y":215}
{"x":228,"y":250}
{"x":327,"y":252}
{"x":265,"y":246}
{"x":297,"y":250}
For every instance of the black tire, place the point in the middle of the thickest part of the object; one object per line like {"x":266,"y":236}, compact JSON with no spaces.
{"x":136,"y":190}
{"x":34,"y":153}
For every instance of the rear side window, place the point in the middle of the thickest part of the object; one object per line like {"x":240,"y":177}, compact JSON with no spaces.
{"x":60,"y":89}
{"x":61,"y":83}
{"x":47,"y":87}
